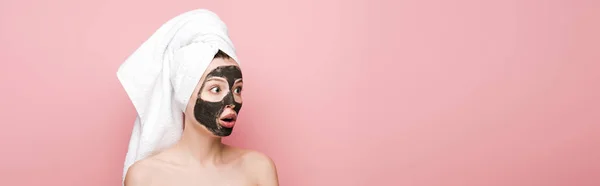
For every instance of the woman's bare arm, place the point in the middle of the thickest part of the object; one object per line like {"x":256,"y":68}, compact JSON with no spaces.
{"x":263,"y":168}
{"x":136,"y":175}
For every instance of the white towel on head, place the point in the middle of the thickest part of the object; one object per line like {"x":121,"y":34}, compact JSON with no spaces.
{"x":161,"y":75}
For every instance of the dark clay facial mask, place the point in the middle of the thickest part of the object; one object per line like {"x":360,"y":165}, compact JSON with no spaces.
{"x":207,"y":112}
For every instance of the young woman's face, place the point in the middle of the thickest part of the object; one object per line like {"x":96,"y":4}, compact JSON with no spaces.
{"x":217,"y":99}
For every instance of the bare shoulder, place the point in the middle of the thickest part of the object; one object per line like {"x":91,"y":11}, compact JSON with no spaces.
{"x":140,"y":172}
{"x":257,"y":159}
{"x":137,"y":173}
{"x":261,"y":167}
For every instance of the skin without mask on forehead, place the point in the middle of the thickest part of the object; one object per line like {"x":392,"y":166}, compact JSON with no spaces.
{"x":208,"y":112}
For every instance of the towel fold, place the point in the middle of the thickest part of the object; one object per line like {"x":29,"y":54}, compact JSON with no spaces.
{"x":161,"y":75}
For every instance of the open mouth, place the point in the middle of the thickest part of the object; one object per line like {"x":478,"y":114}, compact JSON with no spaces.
{"x":228,"y":121}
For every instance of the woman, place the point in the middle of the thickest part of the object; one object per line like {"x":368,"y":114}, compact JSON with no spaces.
{"x":186,"y":85}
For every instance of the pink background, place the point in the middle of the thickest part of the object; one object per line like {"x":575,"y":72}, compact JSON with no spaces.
{"x":419,"y":93}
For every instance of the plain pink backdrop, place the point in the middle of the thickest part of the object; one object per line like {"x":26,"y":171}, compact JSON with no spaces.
{"x":353,"y":93}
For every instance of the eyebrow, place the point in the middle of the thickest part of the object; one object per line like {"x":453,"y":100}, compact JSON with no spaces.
{"x":238,"y":81}
{"x":215,"y":79}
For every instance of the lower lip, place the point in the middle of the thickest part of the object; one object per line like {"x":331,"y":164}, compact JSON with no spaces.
{"x":227,"y":124}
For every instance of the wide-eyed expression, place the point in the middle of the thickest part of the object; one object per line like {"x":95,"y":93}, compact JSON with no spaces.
{"x":219,"y":100}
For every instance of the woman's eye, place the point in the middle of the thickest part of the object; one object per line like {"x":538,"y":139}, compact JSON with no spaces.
{"x":215,"y":90}
{"x":237,"y":90}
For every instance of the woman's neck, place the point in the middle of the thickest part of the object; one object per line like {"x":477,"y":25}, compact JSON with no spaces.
{"x":200,"y":145}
